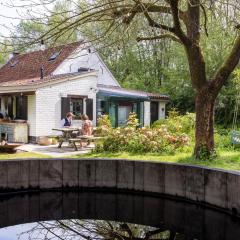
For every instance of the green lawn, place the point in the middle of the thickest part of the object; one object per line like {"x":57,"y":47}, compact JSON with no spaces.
{"x":226,"y":159}
{"x":21,"y":155}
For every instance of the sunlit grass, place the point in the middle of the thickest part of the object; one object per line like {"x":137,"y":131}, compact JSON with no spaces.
{"x":226,"y":159}
{"x":22,"y":155}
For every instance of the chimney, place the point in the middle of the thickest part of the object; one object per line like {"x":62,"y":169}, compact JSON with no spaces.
{"x":42,"y":45}
{"x":13,"y":54}
{"x":41,"y":73}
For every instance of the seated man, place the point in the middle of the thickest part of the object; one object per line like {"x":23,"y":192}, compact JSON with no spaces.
{"x":67,"y":121}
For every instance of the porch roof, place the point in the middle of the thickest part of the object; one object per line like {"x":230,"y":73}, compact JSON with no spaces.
{"x":118,"y":92}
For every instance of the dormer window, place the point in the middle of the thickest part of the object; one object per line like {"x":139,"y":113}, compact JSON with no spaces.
{"x":54,"y":56}
{"x":82,"y":69}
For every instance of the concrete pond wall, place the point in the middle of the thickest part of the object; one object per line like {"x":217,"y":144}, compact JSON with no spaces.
{"x":211,"y":186}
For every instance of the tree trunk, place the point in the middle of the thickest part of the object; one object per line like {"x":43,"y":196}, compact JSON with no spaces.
{"x":204,"y":131}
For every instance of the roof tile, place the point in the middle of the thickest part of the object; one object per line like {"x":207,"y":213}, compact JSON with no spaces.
{"x":27,"y":66}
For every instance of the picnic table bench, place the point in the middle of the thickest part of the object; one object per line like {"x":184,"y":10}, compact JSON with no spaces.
{"x":67,"y":136}
{"x":80,"y":139}
{"x":67,"y":133}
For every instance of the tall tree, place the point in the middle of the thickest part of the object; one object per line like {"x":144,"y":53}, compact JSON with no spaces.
{"x":183,"y":21}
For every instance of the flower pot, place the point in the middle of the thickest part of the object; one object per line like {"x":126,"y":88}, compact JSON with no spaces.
{"x":45,"y":141}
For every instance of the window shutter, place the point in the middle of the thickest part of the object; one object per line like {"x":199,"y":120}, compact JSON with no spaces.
{"x":89,"y":108}
{"x":65,"y":106}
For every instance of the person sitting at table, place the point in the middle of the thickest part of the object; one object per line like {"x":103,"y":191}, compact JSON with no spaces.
{"x":87,"y":128}
{"x":67,"y":121}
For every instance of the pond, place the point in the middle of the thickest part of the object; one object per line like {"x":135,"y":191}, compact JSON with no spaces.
{"x":93,"y":215}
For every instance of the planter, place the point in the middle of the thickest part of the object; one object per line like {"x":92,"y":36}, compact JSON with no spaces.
{"x":45,"y":141}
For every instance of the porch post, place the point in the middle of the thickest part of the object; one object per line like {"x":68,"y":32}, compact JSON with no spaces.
{"x":147,"y":113}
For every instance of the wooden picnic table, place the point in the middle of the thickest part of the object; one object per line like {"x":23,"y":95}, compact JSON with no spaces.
{"x":66,"y":134}
{"x":81,"y":138}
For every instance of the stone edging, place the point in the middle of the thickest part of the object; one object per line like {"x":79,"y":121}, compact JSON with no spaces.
{"x":212,"y":186}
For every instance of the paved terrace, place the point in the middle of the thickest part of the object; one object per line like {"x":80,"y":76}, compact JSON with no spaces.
{"x":54,"y":151}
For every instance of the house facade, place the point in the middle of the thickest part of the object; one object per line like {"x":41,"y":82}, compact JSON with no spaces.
{"x":42,"y":86}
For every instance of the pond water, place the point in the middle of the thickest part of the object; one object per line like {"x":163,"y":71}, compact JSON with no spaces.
{"x":96,"y":215}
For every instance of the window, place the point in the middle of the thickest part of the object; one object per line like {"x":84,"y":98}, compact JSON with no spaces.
{"x":54,"y":56}
{"x":76,"y":106}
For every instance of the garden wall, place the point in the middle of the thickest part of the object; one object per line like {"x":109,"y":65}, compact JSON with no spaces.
{"x":211,"y":186}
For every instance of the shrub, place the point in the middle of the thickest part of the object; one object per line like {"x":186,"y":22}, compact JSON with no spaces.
{"x":104,"y":125}
{"x":132,"y":120}
{"x":143,"y":140}
{"x":132,"y":139}
{"x":176,"y":123}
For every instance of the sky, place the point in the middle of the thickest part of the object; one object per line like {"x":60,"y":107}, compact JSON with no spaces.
{"x":6,"y":23}
{"x":9,"y":16}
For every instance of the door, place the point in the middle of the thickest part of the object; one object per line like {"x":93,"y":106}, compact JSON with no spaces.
{"x":154,"y":112}
{"x":123,"y":114}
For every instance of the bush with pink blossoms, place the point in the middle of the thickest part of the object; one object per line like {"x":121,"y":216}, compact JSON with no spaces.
{"x":140,"y":140}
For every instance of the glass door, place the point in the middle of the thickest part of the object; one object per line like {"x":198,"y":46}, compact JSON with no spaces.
{"x":123,"y":114}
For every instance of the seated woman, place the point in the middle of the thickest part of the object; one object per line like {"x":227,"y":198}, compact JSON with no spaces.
{"x":87,"y":128}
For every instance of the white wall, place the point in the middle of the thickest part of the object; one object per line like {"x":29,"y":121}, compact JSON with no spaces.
{"x":82,"y":58}
{"x":48,"y":102}
{"x":147,"y":115}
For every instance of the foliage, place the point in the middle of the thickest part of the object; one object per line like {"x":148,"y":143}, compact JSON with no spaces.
{"x":176,"y":123}
{"x":104,"y":125}
{"x":141,"y":139}
{"x":132,"y":120}
{"x":29,"y":30}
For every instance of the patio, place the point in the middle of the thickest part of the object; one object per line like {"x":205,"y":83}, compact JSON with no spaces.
{"x":54,"y":151}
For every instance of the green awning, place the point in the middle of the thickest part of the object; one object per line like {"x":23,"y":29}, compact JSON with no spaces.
{"x":121,"y":96}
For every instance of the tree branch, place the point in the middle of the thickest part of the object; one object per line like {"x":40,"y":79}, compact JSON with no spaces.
{"x":152,"y":23}
{"x":177,"y":25}
{"x":170,"y":36}
{"x":205,"y":19}
{"x":149,"y":7}
{"x":228,"y":66}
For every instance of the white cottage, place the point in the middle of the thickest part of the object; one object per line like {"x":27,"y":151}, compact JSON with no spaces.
{"x":42,"y":86}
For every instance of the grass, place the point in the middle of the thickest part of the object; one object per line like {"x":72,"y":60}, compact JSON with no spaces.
{"x":21,"y":155}
{"x":226,"y":159}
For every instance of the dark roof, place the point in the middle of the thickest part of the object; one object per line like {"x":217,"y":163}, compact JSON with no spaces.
{"x":120,"y":90}
{"x":28,"y":65}
{"x":35,"y":81}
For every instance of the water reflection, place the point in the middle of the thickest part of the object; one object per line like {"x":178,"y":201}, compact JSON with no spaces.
{"x":63,"y":215}
{"x":75,"y":229}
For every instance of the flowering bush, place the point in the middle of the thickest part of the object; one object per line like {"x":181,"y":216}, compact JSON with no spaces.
{"x":104,"y":125}
{"x":143,"y":139}
{"x":132,"y":120}
{"x":176,"y":123}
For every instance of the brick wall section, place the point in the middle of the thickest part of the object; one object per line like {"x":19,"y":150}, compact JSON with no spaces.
{"x":199,"y":184}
